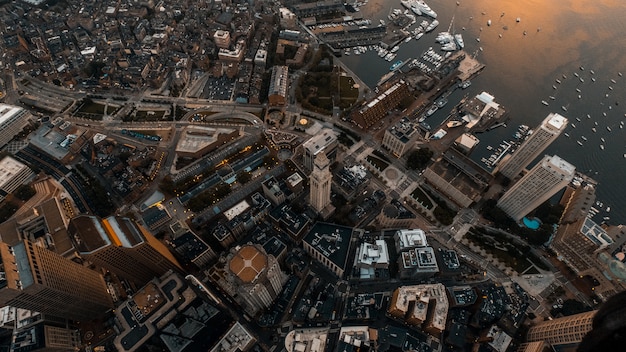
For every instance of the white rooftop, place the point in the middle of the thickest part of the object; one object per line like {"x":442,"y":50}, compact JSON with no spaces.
{"x":9,"y":167}
{"x":555,"y":121}
{"x":236,"y":210}
{"x":422,"y":295}
{"x":567,"y":168}
{"x":8,"y":111}
{"x":411,"y":238}
{"x":372,"y":254}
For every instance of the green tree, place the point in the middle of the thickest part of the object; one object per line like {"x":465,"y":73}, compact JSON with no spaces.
{"x":419,"y":158}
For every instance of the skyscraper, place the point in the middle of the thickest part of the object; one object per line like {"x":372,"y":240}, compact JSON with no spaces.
{"x":549,"y":176}
{"x":551,"y":127}
{"x":121,"y":246}
{"x":320,"y":183}
{"x":563,"y":332}
{"x":35,"y":278}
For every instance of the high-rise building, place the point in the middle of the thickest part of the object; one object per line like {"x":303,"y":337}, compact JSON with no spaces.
{"x":549,"y":176}
{"x":12,"y":120}
{"x":251,"y":276}
{"x":565,"y":332}
{"x":551,"y":127}
{"x":324,"y":141}
{"x":320,"y":182}
{"x":38,"y":279}
{"x":121,"y":246}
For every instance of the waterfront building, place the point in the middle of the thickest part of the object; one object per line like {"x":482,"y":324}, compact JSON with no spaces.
{"x":250,"y":276}
{"x":325,"y":141}
{"x":379,"y":107}
{"x":551,"y":127}
{"x":563,"y":333}
{"x":13,"y":119}
{"x":543,"y":181}
{"x":279,"y":83}
{"x":320,"y":184}
{"x":121,"y":246}
{"x":400,"y":138}
{"x":38,"y":279}
{"x":458,"y":178}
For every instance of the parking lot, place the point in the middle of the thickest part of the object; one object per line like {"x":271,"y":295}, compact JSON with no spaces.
{"x":218,"y":88}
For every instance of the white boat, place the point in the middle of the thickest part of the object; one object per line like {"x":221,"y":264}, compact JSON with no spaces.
{"x":558,"y":81}
{"x":432,"y":110}
{"x":576,"y":74}
{"x":454,"y":123}
{"x":579,"y":143}
{"x":432,"y":26}
{"x":566,"y":134}
{"x":544,"y":103}
{"x":593,"y":79}
{"x":608,"y":128}
{"x":583,"y":138}
{"x":593,"y":129}
{"x":489,"y":22}
{"x":602,"y":146}
{"x":451,"y":46}
{"x":419,"y":35}
{"x":465,"y":84}
{"x":425,"y":9}
{"x":518,"y":20}
{"x":551,"y":97}
{"x":564,"y":108}
{"x":459,"y":40}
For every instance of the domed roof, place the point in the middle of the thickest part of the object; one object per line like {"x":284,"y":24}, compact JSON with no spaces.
{"x":247,"y":263}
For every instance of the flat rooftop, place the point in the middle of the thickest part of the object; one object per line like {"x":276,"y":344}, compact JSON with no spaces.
{"x":333,"y":241}
{"x":248,"y":263}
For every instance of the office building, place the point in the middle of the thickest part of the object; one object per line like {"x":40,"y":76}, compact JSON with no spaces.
{"x":563,"y":333}
{"x":543,"y":181}
{"x":250,"y":276}
{"x":329,"y":244}
{"x":13,"y":119}
{"x":551,"y":127}
{"x":320,"y":183}
{"x":425,"y":306}
{"x":121,"y":246}
{"x":279,"y":83}
{"x":46,"y":337}
{"x":326,"y":142}
{"x":38,"y":279}
{"x":380,"y":106}
{"x":401,"y":137}
{"x":13,"y":174}
{"x":222,"y":39}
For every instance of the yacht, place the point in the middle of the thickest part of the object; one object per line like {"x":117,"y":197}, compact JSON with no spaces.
{"x":465,"y":84}
{"x":579,"y":143}
{"x":544,"y":103}
{"x":564,"y":108}
{"x":432,"y":110}
{"x":454,"y":123}
{"x":432,"y":26}
{"x":459,"y":40}
{"x":425,"y":9}
{"x":583,"y":138}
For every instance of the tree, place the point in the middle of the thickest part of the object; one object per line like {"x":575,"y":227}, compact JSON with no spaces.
{"x":419,"y":158}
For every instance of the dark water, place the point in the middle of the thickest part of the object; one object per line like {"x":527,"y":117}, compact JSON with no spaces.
{"x":561,"y":36}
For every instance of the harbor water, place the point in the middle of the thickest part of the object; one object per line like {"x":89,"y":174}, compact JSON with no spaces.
{"x":541,"y":56}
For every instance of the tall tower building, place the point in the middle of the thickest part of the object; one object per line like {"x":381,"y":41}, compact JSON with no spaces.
{"x":549,"y":176}
{"x":320,"y":181}
{"x":551,"y":127}
{"x":121,"y":246}
{"x":566,"y":332}
{"x":35,"y":278}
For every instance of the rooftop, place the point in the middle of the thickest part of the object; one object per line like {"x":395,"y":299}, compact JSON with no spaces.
{"x":410,"y":238}
{"x":248,"y":263}
{"x":9,"y":167}
{"x":7,"y":112}
{"x":333,"y":241}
